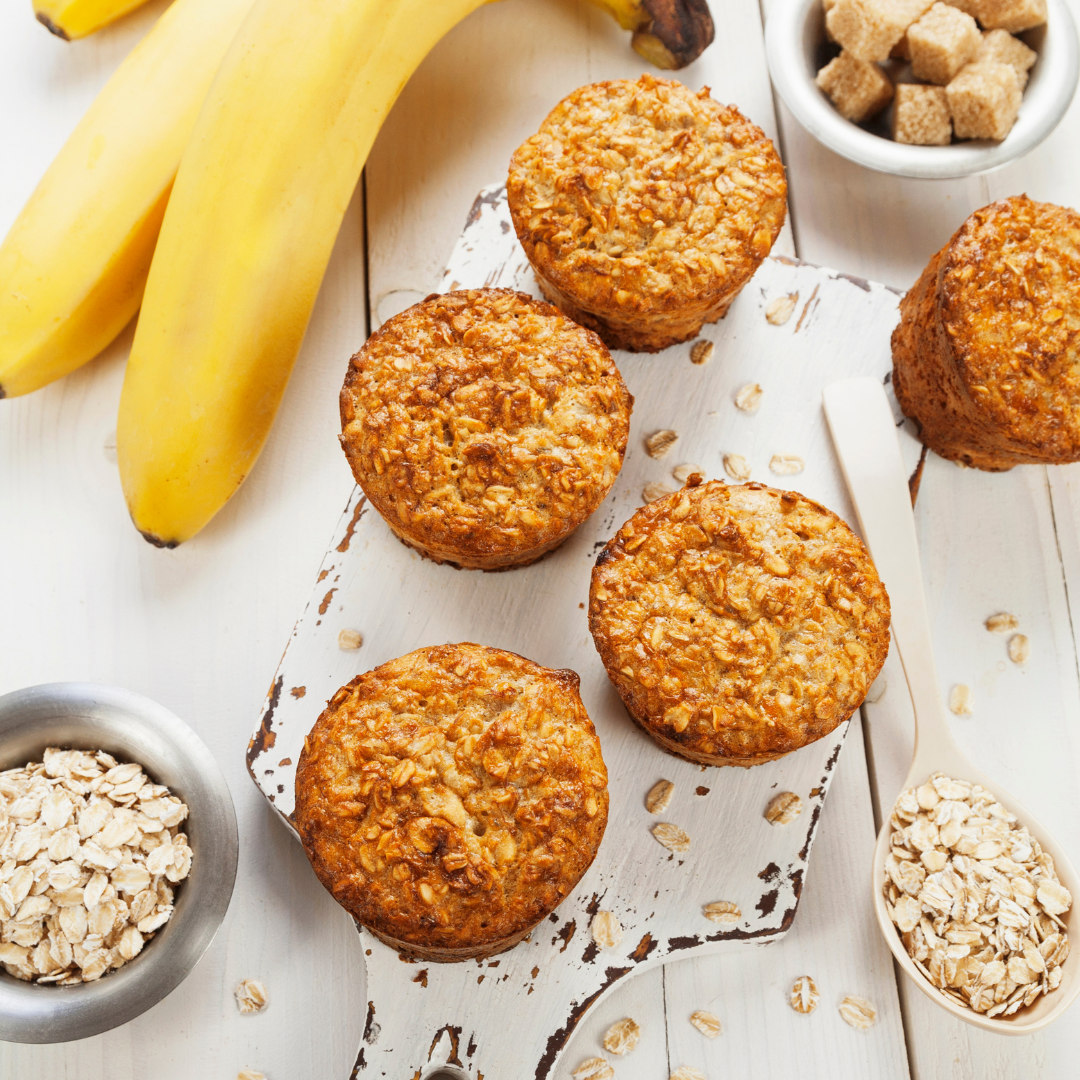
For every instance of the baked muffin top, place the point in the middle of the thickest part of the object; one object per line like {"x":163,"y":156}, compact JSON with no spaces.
{"x":644,"y":195}
{"x":738,"y":621}
{"x":453,"y":797}
{"x":1009,"y":290}
{"x":484,"y":421}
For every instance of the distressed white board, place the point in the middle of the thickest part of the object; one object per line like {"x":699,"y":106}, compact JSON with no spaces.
{"x":420,"y":1016}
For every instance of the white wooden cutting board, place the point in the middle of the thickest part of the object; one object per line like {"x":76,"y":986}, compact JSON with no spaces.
{"x":512,"y":1015}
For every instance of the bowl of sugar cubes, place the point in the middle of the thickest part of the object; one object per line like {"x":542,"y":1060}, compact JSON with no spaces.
{"x":925,"y":88}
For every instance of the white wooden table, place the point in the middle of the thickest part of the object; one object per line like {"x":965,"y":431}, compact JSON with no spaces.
{"x":201,"y":628}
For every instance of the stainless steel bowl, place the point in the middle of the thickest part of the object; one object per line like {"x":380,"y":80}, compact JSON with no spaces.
{"x":796,"y":48}
{"x":129,"y":726}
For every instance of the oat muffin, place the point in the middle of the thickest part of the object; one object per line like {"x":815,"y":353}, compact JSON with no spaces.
{"x":985,"y":356}
{"x":644,"y":208}
{"x":738,"y":623}
{"x":452,"y":798}
{"x":485,"y":426}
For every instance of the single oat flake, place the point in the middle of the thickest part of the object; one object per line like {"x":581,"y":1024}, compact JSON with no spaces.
{"x":722,"y":912}
{"x":784,"y":808}
{"x":701,"y":352}
{"x":687,"y":1072}
{"x":659,"y":797}
{"x":249,"y":1074}
{"x":1002,"y":623}
{"x":780,"y":310}
{"x":656,"y":489}
{"x":737,"y":467}
{"x":682,"y":473}
{"x":660,"y":442}
{"x":706,"y":1023}
{"x":622,"y":1037}
{"x":606,"y":930}
{"x":961,"y":700}
{"x":594,"y":1068}
{"x":858,"y":1012}
{"x":671,"y":836}
{"x":804,"y":994}
{"x":748,"y":399}
{"x":251,"y":996}
{"x":1019,"y":648}
{"x":349,"y":640}
{"x":786,"y":464}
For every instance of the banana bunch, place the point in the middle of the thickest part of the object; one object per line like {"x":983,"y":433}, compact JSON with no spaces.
{"x":72,"y":19}
{"x":207,"y":184}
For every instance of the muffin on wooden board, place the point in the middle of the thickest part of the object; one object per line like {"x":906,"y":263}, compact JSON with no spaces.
{"x":485,"y":426}
{"x":644,"y":208}
{"x":452,"y":798}
{"x":738,"y":623}
{"x":985,"y":355}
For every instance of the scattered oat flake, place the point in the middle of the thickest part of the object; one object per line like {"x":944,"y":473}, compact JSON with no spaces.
{"x":249,"y":1074}
{"x":701,"y":352}
{"x":784,"y":808}
{"x":659,"y":797}
{"x":722,"y":912}
{"x":671,"y":836}
{"x":622,"y":1036}
{"x":594,"y":1068}
{"x":1019,"y":648}
{"x":251,"y":996}
{"x":706,"y":1023}
{"x":804,"y":994}
{"x":660,"y":442}
{"x":858,"y":1012}
{"x":961,"y":700}
{"x":606,"y":930}
{"x":1002,"y":623}
{"x":349,"y":639}
{"x":780,"y":309}
{"x":687,"y":1072}
{"x":656,"y":489}
{"x":748,"y":399}
{"x":682,"y":473}
{"x":737,"y":467}
{"x":786,"y":464}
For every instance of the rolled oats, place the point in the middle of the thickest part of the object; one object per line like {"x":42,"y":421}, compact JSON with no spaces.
{"x":737,"y":467}
{"x":748,"y":399}
{"x":784,"y":808}
{"x":249,"y":1074}
{"x":660,"y":442}
{"x":706,"y":1023}
{"x":671,"y":836}
{"x":722,"y":912}
{"x":687,"y":1072}
{"x":251,"y":996}
{"x":349,"y":639}
{"x":701,"y":352}
{"x":1019,"y":648}
{"x":804,"y":994}
{"x":683,"y":472}
{"x":594,"y":1068}
{"x":858,"y":1012}
{"x":786,"y":464}
{"x":606,"y":930}
{"x":961,"y":700}
{"x":975,"y":899}
{"x":779,"y":310}
{"x":1002,"y":623}
{"x":656,"y":489}
{"x":78,"y":896}
{"x":659,"y":797}
{"x":622,"y":1037}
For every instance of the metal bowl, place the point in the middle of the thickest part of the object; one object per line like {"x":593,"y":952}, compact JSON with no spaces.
{"x":796,"y":48}
{"x":131,"y":727}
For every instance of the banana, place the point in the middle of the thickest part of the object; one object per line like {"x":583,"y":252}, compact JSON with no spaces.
{"x":73,"y":266}
{"x":668,"y":33}
{"x":71,"y":19}
{"x":254,"y":213}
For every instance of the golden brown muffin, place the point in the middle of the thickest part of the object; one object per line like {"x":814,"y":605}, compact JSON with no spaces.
{"x":484,"y":426}
{"x":452,"y":798}
{"x":644,"y":208}
{"x":738,"y":623}
{"x":985,"y":356}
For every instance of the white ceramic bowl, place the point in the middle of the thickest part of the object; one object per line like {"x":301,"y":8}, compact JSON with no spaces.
{"x":80,"y":715}
{"x":796,"y":48}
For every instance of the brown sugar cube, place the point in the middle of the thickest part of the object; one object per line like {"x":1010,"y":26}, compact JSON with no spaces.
{"x":942,"y":42}
{"x":1000,"y":47}
{"x":868,"y":29}
{"x":1011,"y":15}
{"x":984,"y":100}
{"x":858,"y":88}
{"x":921,"y":116}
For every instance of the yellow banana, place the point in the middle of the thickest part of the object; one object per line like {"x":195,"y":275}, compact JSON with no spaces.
{"x":668,"y":33}
{"x":71,"y":19}
{"x":254,"y":213}
{"x":73,"y":266}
